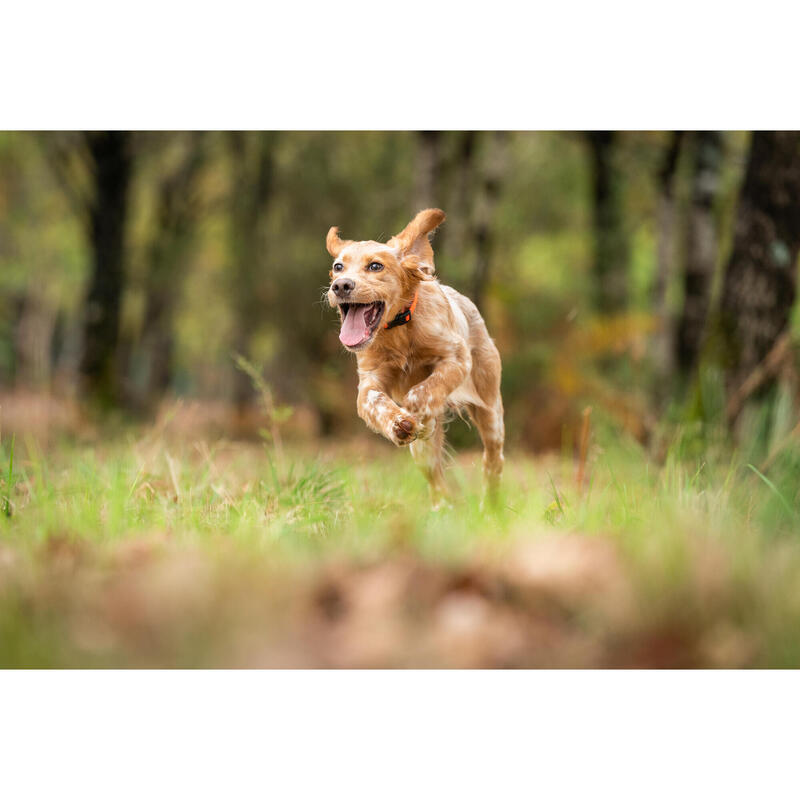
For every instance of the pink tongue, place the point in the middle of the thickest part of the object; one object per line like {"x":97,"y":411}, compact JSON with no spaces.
{"x":354,"y":328}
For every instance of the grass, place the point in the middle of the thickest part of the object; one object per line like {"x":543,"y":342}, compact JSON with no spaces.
{"x":9,"y":481}
{"x":141,"y":550}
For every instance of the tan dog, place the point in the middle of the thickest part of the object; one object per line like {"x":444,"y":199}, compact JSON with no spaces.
{"x":422,"y":348}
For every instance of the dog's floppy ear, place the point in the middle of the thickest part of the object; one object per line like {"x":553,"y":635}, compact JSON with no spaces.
{"x":334,"y":243}
{"x":413,"y":239}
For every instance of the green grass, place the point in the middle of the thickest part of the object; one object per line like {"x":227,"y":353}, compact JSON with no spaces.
{"x":9,"y":481}
{"x":206,"y":553}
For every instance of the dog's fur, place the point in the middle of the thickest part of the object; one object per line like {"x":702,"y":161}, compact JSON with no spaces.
{"x":411,"y":375}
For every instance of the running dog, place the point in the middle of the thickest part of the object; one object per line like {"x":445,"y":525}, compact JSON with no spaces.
{"x":422,"y":348}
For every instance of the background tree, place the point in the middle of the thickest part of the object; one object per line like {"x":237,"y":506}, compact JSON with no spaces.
{"x":110,"y":165}
{"x":610,"y":245}
{"x":428,"y":173}
{"x":701,"y":246}
{"x":95,"y":169}
{"x":177,"y":211}
{"x":666,"y":252}
{"x":484,"y":223}
{"x":453,"y":236}
{"x":252,"y":161}
{"x":760,"y":277}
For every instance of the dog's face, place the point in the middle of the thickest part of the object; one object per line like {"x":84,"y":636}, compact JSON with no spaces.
{"x":371,"y":281}
{"x":367,"y":279}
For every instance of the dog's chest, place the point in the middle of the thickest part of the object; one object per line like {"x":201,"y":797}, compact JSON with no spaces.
{"x":408,"y":374}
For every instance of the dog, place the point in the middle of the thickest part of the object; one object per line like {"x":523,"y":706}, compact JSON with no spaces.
{"x":422,"y":348}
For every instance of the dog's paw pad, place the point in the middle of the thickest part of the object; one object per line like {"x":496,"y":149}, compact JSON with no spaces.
{"x":404,"y":430}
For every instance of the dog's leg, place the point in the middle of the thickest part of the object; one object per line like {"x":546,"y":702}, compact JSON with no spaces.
{"x":429,"y":456}
{"x":384,"y":416}
{"x":490,"y":427}
{"x":427,"y":400}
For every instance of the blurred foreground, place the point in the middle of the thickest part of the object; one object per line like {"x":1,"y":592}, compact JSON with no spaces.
{"x":164,"y":547}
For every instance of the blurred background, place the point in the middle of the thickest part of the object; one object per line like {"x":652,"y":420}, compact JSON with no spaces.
{"x":648,"y":274}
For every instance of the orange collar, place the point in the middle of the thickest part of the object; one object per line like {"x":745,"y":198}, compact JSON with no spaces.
{"x":404,"y":316}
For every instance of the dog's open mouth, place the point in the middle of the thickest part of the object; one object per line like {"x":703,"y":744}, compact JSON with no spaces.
{"x":359,"y":322}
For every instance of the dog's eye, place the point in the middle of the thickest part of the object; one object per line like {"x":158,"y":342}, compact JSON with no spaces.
{"x":375,"y":266}
{"x":337,"y":267}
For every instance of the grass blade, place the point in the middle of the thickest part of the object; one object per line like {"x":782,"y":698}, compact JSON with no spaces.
{"x":7,"y":503}
{"x":775,"y":490}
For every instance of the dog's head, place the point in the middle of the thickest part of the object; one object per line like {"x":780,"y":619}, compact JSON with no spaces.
{"x":371,"y":282}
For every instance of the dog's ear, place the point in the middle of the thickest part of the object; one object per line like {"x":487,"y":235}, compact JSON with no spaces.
{"x":334,"y":243}
{"x":413,"y":239}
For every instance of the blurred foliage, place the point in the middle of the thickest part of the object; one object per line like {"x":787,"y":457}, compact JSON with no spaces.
{"x":557,"y":352}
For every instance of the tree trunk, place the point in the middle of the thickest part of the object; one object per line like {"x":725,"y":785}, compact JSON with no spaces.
{"x":110,"y":160}
{"x":253,"y":167}
{"x":428,"y":169}
{"x":178,"y":199}
{"x":701,"y":247}
{"x":456,"y":231}
{"x":483,"y":222}
{"x":760,"y":278}
{"x":611,"y":252}
{"x":665,"y":265}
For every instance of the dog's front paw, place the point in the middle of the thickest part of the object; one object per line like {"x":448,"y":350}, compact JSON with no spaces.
{"x":403,"y":429}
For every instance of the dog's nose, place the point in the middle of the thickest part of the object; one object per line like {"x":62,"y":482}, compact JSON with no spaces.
{"x":343,"y":286}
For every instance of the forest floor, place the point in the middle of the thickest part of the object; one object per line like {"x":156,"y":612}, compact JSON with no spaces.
{"x":138,"y":549}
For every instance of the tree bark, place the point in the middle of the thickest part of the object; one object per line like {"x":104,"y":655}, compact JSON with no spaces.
{"x":760,"y":277}
{"x":610,"y":244}
{"x":252,"y":171}
{"x":110,"y":160}
{"x":456,"y":231}
{"x":483,"y":221}
{"x":665,"y":265}
{"x":701,"y":247}
{"x":178,"y":199}
{"x":429,"y":168}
